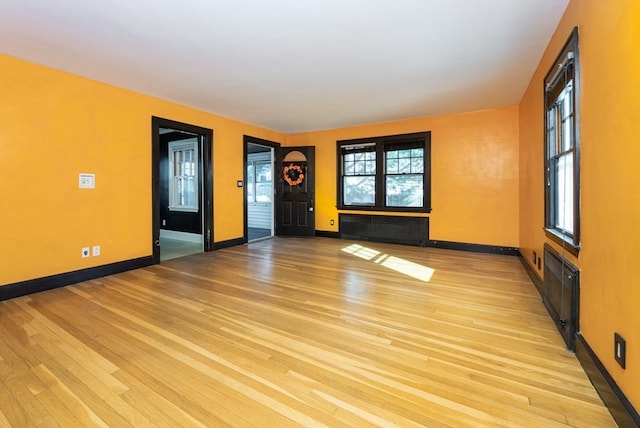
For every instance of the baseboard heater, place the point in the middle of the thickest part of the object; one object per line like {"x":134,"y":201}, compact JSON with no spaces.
{"x":560,"y":294}
{"x":381,"y":228}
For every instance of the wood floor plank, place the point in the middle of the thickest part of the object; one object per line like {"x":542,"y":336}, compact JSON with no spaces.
{"x":295,"y":332}
{"x":19,"y":388}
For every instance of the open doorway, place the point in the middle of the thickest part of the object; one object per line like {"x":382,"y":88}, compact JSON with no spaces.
{"x":182,"y":189}
{"x":259,"y":174}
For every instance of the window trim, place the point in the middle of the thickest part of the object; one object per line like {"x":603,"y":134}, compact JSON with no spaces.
{"x":175,"y":146}
{"x":568,"y":57}
{"x":381,"y":145}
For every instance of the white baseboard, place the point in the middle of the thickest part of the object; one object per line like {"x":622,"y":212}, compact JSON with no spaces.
{"x":181,"y":236}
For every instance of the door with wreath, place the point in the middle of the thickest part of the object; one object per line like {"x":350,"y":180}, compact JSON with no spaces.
{"x":295,"y":210}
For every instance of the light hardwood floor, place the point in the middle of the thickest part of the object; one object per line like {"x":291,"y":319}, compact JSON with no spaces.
{"x":295,"y":332}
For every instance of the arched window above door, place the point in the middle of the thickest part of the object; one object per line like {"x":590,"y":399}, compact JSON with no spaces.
{"x":295,"y":156}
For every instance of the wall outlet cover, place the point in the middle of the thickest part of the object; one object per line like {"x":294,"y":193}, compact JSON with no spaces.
{"x":620,"y":349}
{"x":85,"y":252}
{"x":87,"y":181}
{"x":96,"y":250}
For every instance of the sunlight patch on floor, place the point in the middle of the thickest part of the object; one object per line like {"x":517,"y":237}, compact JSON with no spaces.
{"x":360,"y":251}
{"x":398,"y":264}
{"x":414,"y":270}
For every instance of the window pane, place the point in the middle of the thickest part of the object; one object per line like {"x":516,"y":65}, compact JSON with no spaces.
{"x":551,"y":117}
{"x":404,"y":190}
{"x":417,"y":153}
{"x":349,"y":168}
{"x":551,"y":131}
{"x":263,"y":172}
{"x":363,"y":163}
{"x":404,"y":165}
{"x":263,"y":192}
{"x":567,"y":134}
{"x":417,"y":165}
{"x":371,"y":167}
{"x":567,"y":107}
{"x":564,"y":194}
{"x":185,"y":192}
{"x":551,"y":138}
{"x":359,"y":190}
{"x":392,"y":166}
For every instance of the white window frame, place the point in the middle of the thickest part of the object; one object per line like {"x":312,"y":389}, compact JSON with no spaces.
{"x":174,"y":195}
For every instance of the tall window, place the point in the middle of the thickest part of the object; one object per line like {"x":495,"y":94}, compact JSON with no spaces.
{"x":359,"y":175}
{"x":183,"y":175}
{"x":385,"y":173}
{"x":562,"y":190}
{"x":404,"y":175}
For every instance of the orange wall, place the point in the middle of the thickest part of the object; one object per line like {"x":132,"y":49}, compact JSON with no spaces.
{"x":609,"y":55}
{"x":55,"y":125}
{"x":474,"y":179}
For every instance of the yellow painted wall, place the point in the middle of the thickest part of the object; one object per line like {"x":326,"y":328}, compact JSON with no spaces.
{"x":55,"y":125}
{"x":474,"y":179}
{"x":609,"y":50}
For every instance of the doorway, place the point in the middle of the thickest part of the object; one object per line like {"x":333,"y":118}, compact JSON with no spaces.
{"x":259,"y":190}
{"x":182,"y":189}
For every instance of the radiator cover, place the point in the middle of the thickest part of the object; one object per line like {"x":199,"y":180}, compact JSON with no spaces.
{"x":381,"y":228}
{"x":560,"y":294}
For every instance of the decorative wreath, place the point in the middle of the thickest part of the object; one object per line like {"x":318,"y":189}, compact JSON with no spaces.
{"x":293,"y":174}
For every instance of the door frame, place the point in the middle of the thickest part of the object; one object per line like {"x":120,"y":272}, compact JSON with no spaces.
{"x":206,"y":158}
{"x":246,"y":140}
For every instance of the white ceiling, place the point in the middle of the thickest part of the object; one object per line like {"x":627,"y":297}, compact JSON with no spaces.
{"x":294,"y":66}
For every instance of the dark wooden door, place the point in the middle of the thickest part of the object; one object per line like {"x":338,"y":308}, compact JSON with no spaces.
{"x":295,"y":173}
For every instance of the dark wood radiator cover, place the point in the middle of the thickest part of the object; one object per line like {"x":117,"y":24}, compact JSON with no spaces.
{"x":560,"y":294}
{"x":381,"y":228}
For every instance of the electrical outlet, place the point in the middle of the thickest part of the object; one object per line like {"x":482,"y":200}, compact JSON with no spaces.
{"x":539,"y":263}
{"x":96,"y":250}
{"x":535,"y":258}
{"x":620,"y":349}
{"x":331,"y":222}
{"x":85,"y":252}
